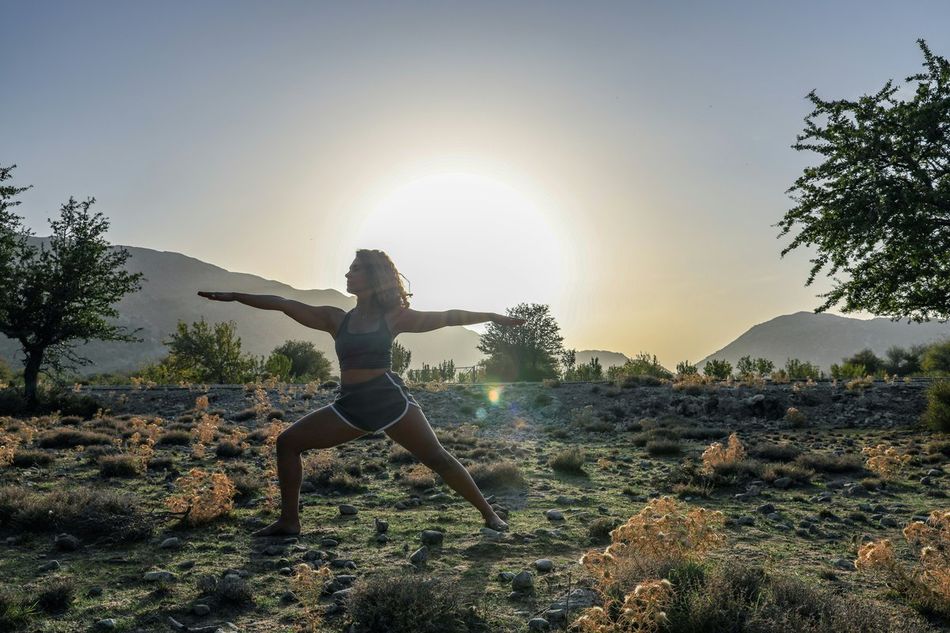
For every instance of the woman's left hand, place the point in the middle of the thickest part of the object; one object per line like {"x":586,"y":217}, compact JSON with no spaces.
{"x":501,"y":319}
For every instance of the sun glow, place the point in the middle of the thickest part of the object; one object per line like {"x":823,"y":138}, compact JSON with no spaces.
{"x":469,"y":241}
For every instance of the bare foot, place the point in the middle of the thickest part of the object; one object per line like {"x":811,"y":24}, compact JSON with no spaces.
{"x":279,"y":527}
{"x":496,"y":523}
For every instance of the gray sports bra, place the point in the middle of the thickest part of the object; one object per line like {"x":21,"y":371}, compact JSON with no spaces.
{"x":364,"y":350}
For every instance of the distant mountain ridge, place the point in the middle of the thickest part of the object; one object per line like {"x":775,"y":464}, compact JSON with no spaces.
{"x":824,"y":338}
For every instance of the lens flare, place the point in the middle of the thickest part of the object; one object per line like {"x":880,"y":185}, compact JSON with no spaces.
{"x":494,"y":395}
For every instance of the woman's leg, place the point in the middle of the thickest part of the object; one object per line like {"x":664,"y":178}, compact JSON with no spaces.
{"x":414,"y":433}
{"x":322,"y":428}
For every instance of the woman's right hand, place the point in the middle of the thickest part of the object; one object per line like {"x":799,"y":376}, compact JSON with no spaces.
{"x":216,"y":296}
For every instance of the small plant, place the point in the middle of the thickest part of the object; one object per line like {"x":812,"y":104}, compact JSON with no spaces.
{"x":203,"y":496}
{"x":927,"y":586}
{"x":795,"y":418}
{"x":203,"y":433}
{"x":570,"y":460}
{"x":717,"y":455}
{"x":307,"y":584}
{"x":937,"y":414}
{"x":885,"y":460}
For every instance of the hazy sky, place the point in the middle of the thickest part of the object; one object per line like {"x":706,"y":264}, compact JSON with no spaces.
{"x":621,"y":162}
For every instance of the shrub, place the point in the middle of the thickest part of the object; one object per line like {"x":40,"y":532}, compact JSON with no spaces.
{"x":69,"y":438}
{"x":16,"y":609}
{"x":406,"y":604}
{"x":885,"y":460}
{"x":569,"y":460}
{"x":795,"y":418}
{"x":927,"y":586}
{"x":203,"y":497}
{"x":399,"y":455}
{"x":326,"y":472}
{"x":716,"y":455}
{"x":658,"y":448}
{"x":497,"y":475}
{"x":26,"y":459}
{"x":417,"y":476}
{"x":57,"y":595}
{"x":936,"y":358}
{"x":83,"y":512}
{"x":228,"y":448}
{"x":937,"y":414}
{"x":599,"y":529}
{"x":542,"y":400}
{"x":174,"y":438}
{"x":122,"y":465}
{"x":822,"y":462}
{"x":775,"y":452}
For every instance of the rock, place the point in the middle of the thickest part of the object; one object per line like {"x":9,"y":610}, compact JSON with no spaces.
{"x":765,"y":508}
{"x":159,"y":575}
{"x":845,"y":564}
{"x":522,"y":581}
{"x":381,"y":526}
{"x":66,"y":543}
{"x":420,"y":555}
{"x":50,"y":566}
{"x":108,"y":624}
{"x":432,"y":537}
{"x":580,"y":598}
{"x":538,"y":624}
{"x":288,"y":596}
{"x":889,"y":522}
{"x":382,"y":538}
{"x":554,"y":515}
{"x":490,"y":533}
{"x":505,"y":576}
{"x":782,"y":482}
{"x":348,"y":510}
{"x":274,"y":550}
{"x":201,"y":610}
{"x":171,"y":543}
{"x":328,"y":542}
{"x":94,"y":592}
{"x":544,"y":564}
{"x":746,"y":520}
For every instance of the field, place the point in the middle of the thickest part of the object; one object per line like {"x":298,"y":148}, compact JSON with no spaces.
{"x":86,"y":527}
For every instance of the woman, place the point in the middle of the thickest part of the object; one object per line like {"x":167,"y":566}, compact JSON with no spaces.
{"x":371,"y":396}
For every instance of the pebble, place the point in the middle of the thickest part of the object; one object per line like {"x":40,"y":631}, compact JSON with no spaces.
{"x":554,"y":515}
{"x":381,"y":526}
{"x":348,"y":510}
{"x":845,"y":564}
{"x":171,"y":543}
{"x":538,"y":624}
{"x":158,"y":575}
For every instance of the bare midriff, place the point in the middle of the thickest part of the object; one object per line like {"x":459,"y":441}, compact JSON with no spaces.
{"x":350,"y":376}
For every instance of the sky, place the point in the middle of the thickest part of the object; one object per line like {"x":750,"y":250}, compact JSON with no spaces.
{"x":624,"y":163}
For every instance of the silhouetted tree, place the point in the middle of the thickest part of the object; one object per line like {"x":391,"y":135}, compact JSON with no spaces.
{"x":401,"y":358}
{"x":878,"y":207}
{"x":526,"y":352}
{"x":52,"y":297}
{"x":210,"y":354}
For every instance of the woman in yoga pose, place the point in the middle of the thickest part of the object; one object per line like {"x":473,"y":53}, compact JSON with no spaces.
{"x":371,"y":397}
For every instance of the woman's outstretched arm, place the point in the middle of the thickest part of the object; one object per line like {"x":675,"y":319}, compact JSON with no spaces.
{"x":264,"y":302}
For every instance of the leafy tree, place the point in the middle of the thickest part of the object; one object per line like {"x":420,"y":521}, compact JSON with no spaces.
{"x":936,"y":360}
{"x":278,"y":366}
{"x":52,"y":297}
{"x":401,"y":358}
{"x":526,"y":352}
{"x":904,"y":362}
{"x":643,"y":364}
{"x":684,"y":368}
{"x":796,"y":369}
{"x":872,"y":364}
{"x":717,"y":368}
{"x":745,"y":366}
{"x":568,"y":360}
{"x":763,"y":366}
{"x":591,"y":370}
{"x":878,"y":207}
{"x":210,"y":354}
{"x":306,"y":361}
{"x":847,"y":370}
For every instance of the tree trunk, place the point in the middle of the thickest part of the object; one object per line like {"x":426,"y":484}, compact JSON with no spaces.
{"x":30,"y":374}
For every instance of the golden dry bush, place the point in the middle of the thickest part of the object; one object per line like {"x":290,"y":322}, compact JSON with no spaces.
{"x":202,"y":496}
{"x":203,"y":433}
{"x":664,"y":530}
{"x":886,"y":461}
{"x":201,"y":402}
{"x":307,"y":583}
{"x":716,"y":454}
{"x":928,"y":584}
{"x":794,"y":416}
{"x":262,"y":404}
{"x":9,"y":443}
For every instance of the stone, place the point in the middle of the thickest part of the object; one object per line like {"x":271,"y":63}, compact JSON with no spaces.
{"x":107,"y":624}
{"x":348,"y":510}
{"x":50,"y":566}
{"x":782,"y":482}
{"x":845,"y":564}
{"x":432,"y":537}
{"x":381,"y":526}
{"x":66,"y":542}
{"x":538,"y":624}
{"x":544,"y":564}
{"x":420,"y":555}
{"x":201,"y":610}
{"x":171,"y":543}
{"x":554,"y":515}
{"x":522,"y":581}
{"x":158,"y":575}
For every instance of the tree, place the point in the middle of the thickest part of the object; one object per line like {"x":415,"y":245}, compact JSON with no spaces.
{"x":717,"y":368}
{"x":401,"y":358}
{"x":51,"y":297}
{"x":685,"y":368}
{"x":568,"y":360}
{"x":796,"y":369}
{"x":643,"y":364}
{"x":278,"y":366}
{"x":210,"y":355}
{"x":526,"y":352}
{"x":878,"y":207}
{"x":872,"y":363}
{"x":590,"y":370}
{"x":936,"y":360}
{"x":306,"y":361}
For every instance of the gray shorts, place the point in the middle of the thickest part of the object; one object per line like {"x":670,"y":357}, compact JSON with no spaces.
{"x":374,"y":404}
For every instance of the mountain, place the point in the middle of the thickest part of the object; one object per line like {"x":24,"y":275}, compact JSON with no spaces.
{"x":604,"y":357}
{"x":168,"y":294}
{"x":824,"y":338}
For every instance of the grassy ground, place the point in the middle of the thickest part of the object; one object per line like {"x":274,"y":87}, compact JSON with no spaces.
{"x":484,"y":429}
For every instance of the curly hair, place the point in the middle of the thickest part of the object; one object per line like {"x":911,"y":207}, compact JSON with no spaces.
{"x":388,"y":289}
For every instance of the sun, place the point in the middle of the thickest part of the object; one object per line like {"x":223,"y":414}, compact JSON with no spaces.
{"x":469,"y":241}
